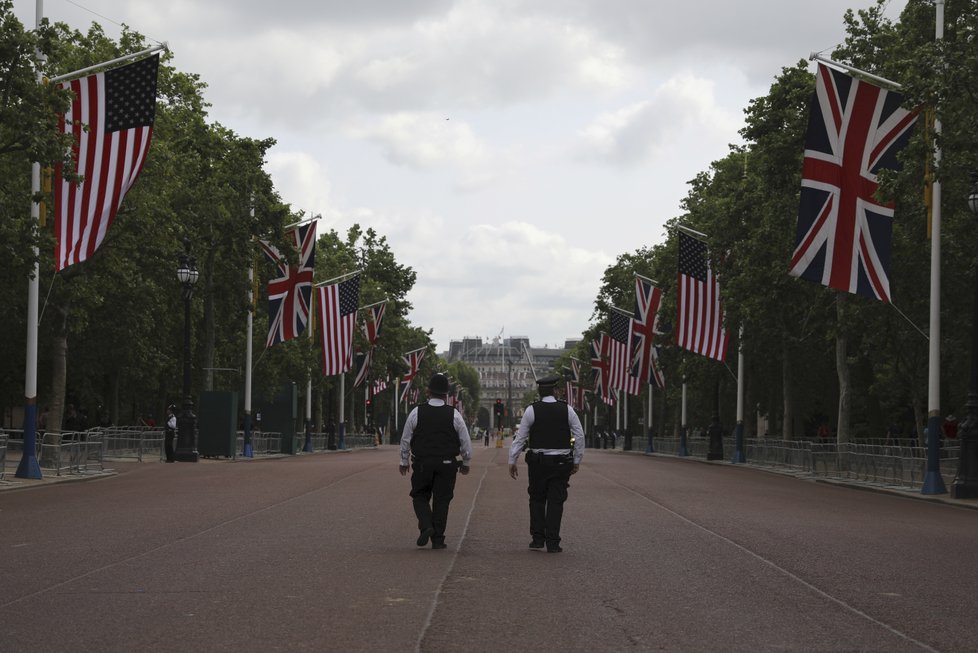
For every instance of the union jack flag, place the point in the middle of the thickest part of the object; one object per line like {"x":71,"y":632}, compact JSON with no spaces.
{"x":855,"y":129}
{"x":413,"y":360}
{"x":647,"y":300}
{"x":361,"y":364}
{"x":371,"y":326}
{"x":619,"y":351}
{"x":599,"y":367}
{"x":290,"y":294}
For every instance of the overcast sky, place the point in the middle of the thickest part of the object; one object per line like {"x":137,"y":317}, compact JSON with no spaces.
{"x":510,"y":150}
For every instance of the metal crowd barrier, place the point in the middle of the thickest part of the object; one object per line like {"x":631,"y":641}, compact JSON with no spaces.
{"x":3,"y":455}
{"x":132,"y":442}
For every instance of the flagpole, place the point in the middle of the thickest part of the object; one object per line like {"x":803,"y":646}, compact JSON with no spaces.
{"x":738,"y":456}
{"x":855,"y":71}
{"x":247,"y":450}
{"x":627,"y":442}
{"x":649,"y":447}
{"x":303,"y":222}
{"x":128,"y":57}
{"x":28,"y":466}
{"x":307,"y":446}
{"x":341,"y":427}
{"x":933,"y":481}
{"x":683,"y":448}
{"x":342,"y":277}
{"x":397,"y":402}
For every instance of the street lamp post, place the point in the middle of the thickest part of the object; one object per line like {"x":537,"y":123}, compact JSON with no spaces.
{"x":965,"y":485}
{"x":187,"y":422}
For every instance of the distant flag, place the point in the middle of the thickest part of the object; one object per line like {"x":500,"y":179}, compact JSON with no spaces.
{"x":403,"y":391}
{"x":338,"y":315}
{"x":371,"y":326}
{"x":699,"y":321}
{"x":413,"y":361}
{"x":855,"y":129}
{"x":647,"y":300}
{"x":620,"y":353}
{"x":111,"y":121}
{"x":599,"y":367}
{"x":656,"y":377}
{"x":381,"y":384}
{"x":290,"y":293}
{"x":361,"y":364}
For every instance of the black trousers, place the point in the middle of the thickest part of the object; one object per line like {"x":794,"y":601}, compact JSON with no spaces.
{"x":549,"y":478}
{"x":432,"y":490}
{"x":168,"y":445}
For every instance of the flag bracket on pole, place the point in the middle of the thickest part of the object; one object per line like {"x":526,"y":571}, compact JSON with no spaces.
{"x":856,"y":71}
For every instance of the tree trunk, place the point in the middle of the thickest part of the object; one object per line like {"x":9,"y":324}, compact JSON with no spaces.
{"x":209,"y":327}
{"x":788,"y":417}
{"x":842,"y":370}
{"x":59,"y":369}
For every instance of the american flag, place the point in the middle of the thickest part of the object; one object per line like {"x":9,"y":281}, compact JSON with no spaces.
{"x":855,"y":129}
{"x":599,"y":367}
{"x":647,"y":300}
{"x":361,"y":363}
{"x":111,"y":121}
{"x":338,"y":315}
{"x":290,"y":293}
{"x":699,"y":321}
{"x":371,"y":326}
{"x":381,"y":384}
{"x":619,"y":351}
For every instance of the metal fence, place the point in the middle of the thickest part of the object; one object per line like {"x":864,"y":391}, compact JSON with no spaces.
{"x":137,"y":442}
{"x":3,"y":455}
{"x":873,"y":463}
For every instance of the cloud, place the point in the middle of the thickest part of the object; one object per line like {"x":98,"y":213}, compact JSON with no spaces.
{"x":636,"y":133}
{"x":300,"y":179}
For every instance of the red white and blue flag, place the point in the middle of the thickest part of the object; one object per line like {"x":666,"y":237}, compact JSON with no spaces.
{"x":380,"y":385}
{"x":361,"y":363}
{"x":855,"y":129}
{"x":647,"y":300}
{"x":619,"y":352}
{"x":599,"y":367}
{"x":699,"y":320}
{"x":413,"y":361}
{"x":290,"y":293}
{"x":338,"y":316}
{"x":111,"y":121}
{"x":371,"y":326}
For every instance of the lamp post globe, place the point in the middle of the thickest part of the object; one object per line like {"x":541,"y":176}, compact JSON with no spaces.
{"x":187,"y":275}
{"x":965,"y":484}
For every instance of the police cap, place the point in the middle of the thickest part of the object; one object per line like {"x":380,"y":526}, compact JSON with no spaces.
{"x":438,"y":384}
{"x":548,"y":381}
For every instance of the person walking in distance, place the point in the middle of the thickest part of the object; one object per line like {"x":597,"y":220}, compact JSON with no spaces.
{"x":433,"y":438}
{"x":169,"y":432}
{"x":554,"y":440}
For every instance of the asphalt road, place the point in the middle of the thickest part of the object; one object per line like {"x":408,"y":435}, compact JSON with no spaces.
{"x":317,"y":553}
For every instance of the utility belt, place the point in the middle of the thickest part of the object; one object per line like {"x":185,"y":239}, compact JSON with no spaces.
{"x":537,"y":457}
{"x":429,"y":462}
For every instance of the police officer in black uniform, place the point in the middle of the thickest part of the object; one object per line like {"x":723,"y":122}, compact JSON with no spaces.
{"x":554,"y":438}
{"x":434,"y":436}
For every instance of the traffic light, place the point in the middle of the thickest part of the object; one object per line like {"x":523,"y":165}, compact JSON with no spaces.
{"x":499,"y":409}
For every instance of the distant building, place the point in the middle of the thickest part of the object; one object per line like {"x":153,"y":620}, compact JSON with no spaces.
{"x":504,"y":372}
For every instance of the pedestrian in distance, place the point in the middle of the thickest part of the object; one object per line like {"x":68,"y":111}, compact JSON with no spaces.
{"x":169,"y":432}
{"x":434,"y":437}
{"x":554,"y":441}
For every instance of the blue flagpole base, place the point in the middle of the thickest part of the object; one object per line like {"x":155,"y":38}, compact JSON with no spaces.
{"x":28,"y":467}
{"x":249,"y":451}
{"x":683,"y":451}
{"x":738,"y":457}
{"x":307,"y":447}
{"x":933,"y":484}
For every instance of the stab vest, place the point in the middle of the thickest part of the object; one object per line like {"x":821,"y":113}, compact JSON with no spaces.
{"x":434,"y":436}
{"x":550,"y":428}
